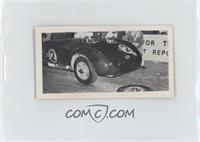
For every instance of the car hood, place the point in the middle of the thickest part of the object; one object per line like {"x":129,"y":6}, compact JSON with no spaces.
{"x":111,"y":51}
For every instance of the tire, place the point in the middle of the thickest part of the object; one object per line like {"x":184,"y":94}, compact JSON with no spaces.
{"x":84,"y":71}
{"x":134,"y":88}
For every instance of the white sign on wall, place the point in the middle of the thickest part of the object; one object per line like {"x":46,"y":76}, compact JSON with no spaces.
{"x":155,"y":48}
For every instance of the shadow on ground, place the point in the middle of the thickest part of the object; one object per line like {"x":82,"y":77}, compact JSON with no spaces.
{"x":155,"y":76}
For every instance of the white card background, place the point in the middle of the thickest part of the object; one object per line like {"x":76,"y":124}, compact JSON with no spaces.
{"x":163,"y":119}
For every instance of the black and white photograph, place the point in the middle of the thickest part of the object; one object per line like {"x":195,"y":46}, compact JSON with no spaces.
{"x":104,"y":62}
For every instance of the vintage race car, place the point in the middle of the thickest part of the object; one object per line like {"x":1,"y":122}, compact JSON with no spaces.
{"x":90,"y":57}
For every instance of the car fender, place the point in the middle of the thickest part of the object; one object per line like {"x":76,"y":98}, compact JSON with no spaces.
{"x":96,"y":57}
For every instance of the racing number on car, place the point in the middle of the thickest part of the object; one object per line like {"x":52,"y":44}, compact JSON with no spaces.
{"x":52,"y":56}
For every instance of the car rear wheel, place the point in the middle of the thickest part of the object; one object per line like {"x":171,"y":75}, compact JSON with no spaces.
{"x":84,"y":71}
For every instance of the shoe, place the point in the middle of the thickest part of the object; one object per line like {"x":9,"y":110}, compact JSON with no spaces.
{"x":143,"y":67}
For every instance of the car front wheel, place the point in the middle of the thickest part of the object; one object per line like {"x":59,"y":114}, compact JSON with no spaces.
{"x":84,"y":71}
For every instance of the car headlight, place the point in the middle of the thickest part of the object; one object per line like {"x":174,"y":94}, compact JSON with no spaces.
{"x":108,"y":64}
{"x":126,"y":49}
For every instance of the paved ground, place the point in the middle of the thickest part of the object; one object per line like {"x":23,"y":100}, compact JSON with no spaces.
{"x":154,"y":76}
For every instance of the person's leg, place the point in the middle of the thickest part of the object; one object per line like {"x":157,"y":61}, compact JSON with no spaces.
{"x":142,"y":54}
{"x":142,"y":63}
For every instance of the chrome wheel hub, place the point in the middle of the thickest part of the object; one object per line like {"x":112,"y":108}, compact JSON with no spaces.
{"x":83,"y":70}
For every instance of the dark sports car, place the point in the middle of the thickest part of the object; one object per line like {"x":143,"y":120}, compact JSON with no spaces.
{"x":90,"y":57}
